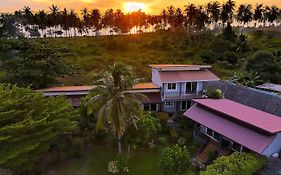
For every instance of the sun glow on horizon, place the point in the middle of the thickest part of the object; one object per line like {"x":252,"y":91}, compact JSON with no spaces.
{"x":134,"y":6}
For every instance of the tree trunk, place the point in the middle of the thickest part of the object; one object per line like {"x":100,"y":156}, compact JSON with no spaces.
{"x":119,"y":145}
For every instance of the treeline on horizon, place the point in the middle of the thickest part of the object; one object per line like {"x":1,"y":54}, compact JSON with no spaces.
{"x":64,"y":22}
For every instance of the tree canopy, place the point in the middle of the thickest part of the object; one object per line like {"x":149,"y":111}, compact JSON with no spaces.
{"x":29,"y":124}
{"x":36,"y":64}
{"x":266,"y":65}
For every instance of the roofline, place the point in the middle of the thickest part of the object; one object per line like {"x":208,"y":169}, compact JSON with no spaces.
{"x":189,"y":81}
{"x":233,"y":118}
{"x":144,"y":90}
{"x":74,"y":93}
{"x":180,"y":67}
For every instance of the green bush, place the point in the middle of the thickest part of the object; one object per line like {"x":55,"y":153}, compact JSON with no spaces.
{"x":148,"y":128}
{"x":175,"y":160}
{"x":237,"y":163}
{"x":215,"y":93}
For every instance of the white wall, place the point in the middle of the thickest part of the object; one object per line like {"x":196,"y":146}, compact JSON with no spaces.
{"x":156,"y":78}
{"x":274,"y":147}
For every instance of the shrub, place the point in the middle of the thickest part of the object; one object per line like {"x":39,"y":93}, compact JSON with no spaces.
{"x":215,"y":93}
{"x":148,"y":127}
{"x":237,"y":163}
{"x":175,"y":160}
{"x":119,"y":165}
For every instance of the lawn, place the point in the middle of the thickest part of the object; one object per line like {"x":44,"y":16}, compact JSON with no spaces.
{"x":142,"y":162}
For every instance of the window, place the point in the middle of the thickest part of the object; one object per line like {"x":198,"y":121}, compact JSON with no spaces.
{"x":236,"y":146}
{"x":150,"y":107}
{"x":191,"y":87}
{"x":185,"y":105}
{"x":217,"y":136}
{"x":210,"y":132}
{"x":146,"y":107}
{"x":153,"y":107}
{"x":172,"y":86}
{"x":169,"y":104}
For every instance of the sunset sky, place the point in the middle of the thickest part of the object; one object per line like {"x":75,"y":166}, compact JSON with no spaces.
{"x":151,"y":6}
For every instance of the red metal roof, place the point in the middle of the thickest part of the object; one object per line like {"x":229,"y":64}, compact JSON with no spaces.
{"x":145,"y":86}
{"x":242,"y":113}
{"x":251,"y":139}
{"x":177,"y":76}
{"x":67,"y":88}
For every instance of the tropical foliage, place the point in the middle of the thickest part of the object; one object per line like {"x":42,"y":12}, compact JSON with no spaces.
{"x":34,"y":63}
{"x":115,"y":105}
{"x":237,"y":163}
{"x":29,"y":125}
{"x":267,"y":65}
{"x":175,"y":160}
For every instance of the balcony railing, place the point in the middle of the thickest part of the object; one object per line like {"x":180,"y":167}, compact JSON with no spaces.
{"x":180,"y":95}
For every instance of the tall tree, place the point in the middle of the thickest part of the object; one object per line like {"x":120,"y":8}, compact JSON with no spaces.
{"x":259,"y":14}
{"x":213,"y":10}
{"x":116,"y":106}
{"x":272,"y":13}
{"x":191,"y":12}
{"x":244,"y":13}
{"x":53,"y":17}
{"x":29,"y":125}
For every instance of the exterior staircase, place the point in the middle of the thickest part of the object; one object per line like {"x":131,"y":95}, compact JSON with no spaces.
{"x":203,"y":156}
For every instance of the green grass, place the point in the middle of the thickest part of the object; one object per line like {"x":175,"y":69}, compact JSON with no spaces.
{"x":142,"y":162}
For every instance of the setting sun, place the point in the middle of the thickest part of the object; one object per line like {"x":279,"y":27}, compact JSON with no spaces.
{"x":134,"y":6}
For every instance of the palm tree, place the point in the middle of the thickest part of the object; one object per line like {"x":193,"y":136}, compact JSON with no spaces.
{"x":117,"y":107}
{"x":108,"y":19}
{"x":95,"y":19}
{"x":258,"y":14}
{"x":244,"y":13}
{"x":201,"y":18}
{"x":41,"y":20}
{"x":272,"y":14}
{"x":190,"y":11}
{"x":213,"y":11}
{"x":53,"y":17}
{"x":65,"y":21}
{"x":28,"y":16}
{"x":86,"y":19}
{"x":179,"y":18}
{"x":230,"y":7}
{"x":227,"y":12}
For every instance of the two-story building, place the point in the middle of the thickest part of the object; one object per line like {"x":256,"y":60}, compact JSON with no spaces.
{"x":173,"y":86}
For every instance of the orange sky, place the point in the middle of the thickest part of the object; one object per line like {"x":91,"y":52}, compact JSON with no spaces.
{"x":152,"y":6}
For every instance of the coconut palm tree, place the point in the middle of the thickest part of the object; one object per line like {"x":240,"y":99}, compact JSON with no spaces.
{"x":41,"y":20}
{"x":272,"y":13}
{"x":258,"y":14}
{"x":213,"y":11}
{"x":95,"y":19}
{"x":191,"y":12}
{"x":201,"y":18}
{"x":53,"y":17}
{"x":244,"y":13}
{"x":117,"y":107}
{"x":227,"y":12}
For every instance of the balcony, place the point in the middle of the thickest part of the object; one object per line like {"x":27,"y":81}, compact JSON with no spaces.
{"x":180,"y":95}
